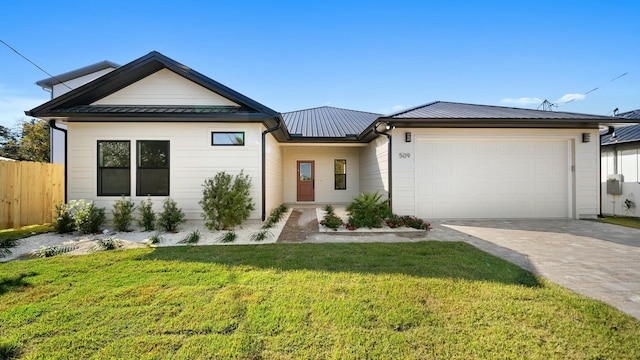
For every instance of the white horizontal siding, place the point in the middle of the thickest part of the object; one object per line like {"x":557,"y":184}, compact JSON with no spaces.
{"x":164,"y":87}
{"x":374,"y":167}
{"x":273,"y":188}
{"x":324,"y":157}
{"x":192,"y":159}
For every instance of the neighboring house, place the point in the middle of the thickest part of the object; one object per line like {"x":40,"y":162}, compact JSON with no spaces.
{"x":62,"y":84}
{"x":156,"y":127}
{"x":621,"y":156}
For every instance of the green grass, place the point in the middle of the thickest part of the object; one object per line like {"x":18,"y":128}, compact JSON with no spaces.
{"x":289,"y":301}
{"x":25,"y":231}
{"x":632,"y":222}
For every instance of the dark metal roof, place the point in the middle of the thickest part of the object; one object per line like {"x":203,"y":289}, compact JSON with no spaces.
{"x":50,"y":82}
{"x":136,"y":109}
{"x":327,"y":122}
{"x":623,"y":134}
{"x":633,"y":114}
{"x":452,"y":110}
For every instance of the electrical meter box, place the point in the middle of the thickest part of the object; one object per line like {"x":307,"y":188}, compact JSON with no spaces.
{"x":614,"y":184}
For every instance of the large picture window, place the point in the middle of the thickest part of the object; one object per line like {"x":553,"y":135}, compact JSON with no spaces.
{"x":153,"y":168}
{"x":340,"y":174}
{"x":114,"y":168}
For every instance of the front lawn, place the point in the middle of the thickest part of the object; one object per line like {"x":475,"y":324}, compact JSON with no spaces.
{"x":288,"y":301}
{"x":627,"y":221}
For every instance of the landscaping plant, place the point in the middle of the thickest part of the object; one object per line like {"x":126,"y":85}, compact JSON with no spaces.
{"x":225,"y":200}
{"x":109,"y":243}
{"x":122,"y":214}
{"x":171,"y":216}
{"x":88,"y":217}
{"x":261,"y":235}
{"x":275,"y":216}
{"x":330,"y":219}
{"x":147,"y":216}
{"x":64,"y":222}
{"x":228,"y":237}
{"x":368,"y":210}
{"x":191,"y":238}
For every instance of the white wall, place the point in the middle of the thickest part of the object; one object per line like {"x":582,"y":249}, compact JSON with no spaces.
{"x":69,"y":85}
{"x":374,"y":167}
{"x":585,"y":158}
{"x":274,"y":185}
{"x":324,"y":157}
{"x":164,"y":87}
{"x":625,"y":160}
{"x":192,"y":160}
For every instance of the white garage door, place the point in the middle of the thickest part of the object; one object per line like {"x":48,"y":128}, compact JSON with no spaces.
{"x":492,"y":178}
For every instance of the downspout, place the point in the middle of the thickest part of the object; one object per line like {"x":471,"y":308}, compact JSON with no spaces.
{"x":389,"y":158}
{"x":610,"y":131}
{"x":52,"y":124}
{"x":264,"y":162}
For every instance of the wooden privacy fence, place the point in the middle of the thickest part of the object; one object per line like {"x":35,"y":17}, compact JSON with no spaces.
{"x":29,"y":192}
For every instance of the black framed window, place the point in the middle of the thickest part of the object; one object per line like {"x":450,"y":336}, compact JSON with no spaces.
{"x":153,"y":168}
{"x":340,"y":174}
{"x":114,"y":168}
{"x":222,"y":138}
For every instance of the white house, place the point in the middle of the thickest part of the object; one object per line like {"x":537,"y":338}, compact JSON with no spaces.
{"x":156,"y":127}
{"x":620,"y":169}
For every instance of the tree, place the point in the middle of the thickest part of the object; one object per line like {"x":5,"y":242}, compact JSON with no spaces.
{"x":29,"y":141}
{"x":34,"y":143}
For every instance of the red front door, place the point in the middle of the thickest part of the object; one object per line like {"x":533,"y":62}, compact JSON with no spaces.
{"x":306,"y":181}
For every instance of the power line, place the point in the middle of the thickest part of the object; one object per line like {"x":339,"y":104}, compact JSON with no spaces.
{"x":548,"y":106}
{"x":34,"y":64}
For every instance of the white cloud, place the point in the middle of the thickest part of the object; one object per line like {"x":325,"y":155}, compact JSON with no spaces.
{"x":13,"y":105}
{"x":570,"y":97}
{"x":522,"y":101}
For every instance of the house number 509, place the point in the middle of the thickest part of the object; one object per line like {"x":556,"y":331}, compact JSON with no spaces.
{"x":405,"y":155}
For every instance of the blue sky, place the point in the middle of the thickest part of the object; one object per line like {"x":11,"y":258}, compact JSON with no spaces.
{"x":372,"y":56}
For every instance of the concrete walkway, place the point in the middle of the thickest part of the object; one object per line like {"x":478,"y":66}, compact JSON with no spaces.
{"x":600,"y":261}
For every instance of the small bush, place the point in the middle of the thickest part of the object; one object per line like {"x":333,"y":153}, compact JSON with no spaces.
{"x":261,"y":235}
{"x":228,"y":237}
{"x":330,"y":219}
{"x":88,"y":217}
{"x":171,"y":216}
{"x":155,"y":239}
{"x":226,"y":201}
{"x":395,"y":221}
{"x":9,"y":351}
{"x":275,"y":217}
{"x":109,"y":243}
{"x":64,"y":222}
{"x":192,"y":238}
{"x":49,"y":251}
{"x":416,"y":223}
{"x":368,"y":210}
{"x":122,"y":214}
{"x":6,"y":244}
{"x":147,"y":216}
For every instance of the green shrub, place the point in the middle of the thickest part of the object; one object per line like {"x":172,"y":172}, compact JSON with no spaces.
{"x":88,"y":217}
{"x":192,"y":238}
{"x":330,"y":219}
{"x":368,"y":210}
{"x":416,"y":223}
{"x":109,"y":243}
{"x":53,"y":250}
{"x":275,"y":217}
{"x":6,"y":244}
{"x":261,"y":235}
{"x":122,"y":214}
{"x":228,"y":237}
{"x":147,"y":216}
{"x":171,"y":216}
{"x":155,"y":239}
{"x":226,"y":201}
{"x":64,"y":222}
{"x":395,"y":221}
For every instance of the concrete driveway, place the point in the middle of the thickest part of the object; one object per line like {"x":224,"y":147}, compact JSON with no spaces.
{"x":598,"y":260}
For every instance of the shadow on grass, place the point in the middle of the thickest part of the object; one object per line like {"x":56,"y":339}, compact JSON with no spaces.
{"x":14,"y":283}
{"x":422,"y":259}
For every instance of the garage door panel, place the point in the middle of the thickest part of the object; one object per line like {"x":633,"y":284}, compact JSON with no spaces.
{"x":461,"y":178}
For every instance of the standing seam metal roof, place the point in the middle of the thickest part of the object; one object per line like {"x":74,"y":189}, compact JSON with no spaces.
{"x":624,"y":134}
{"x":328,"y":121}
{"x":451,"y":110}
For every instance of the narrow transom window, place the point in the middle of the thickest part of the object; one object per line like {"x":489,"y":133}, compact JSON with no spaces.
{"x":340,"y":174}
{"x":227,"y":138}
{"x":153,"y":168}
{"x":114,"y":168}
